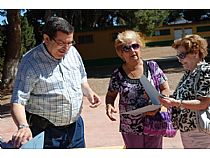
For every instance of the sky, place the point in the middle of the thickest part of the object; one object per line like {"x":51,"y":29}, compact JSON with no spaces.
{"x":1,"y":19}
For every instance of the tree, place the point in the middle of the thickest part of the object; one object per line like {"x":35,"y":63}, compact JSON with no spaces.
{"x":195,"y":14}
{"x":27,"y":36}
{"x":146,"y":21}
{"x":12,"y":49}
{"x":90,"y":19}
{"x":2,"y":41}
{"x":36,"y":18}
{"x":2,"y":48}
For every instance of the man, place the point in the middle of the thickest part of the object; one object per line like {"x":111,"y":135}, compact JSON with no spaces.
{"x":49,"y":88}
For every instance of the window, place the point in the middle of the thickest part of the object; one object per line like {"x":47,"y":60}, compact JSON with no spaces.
{"x":85,"y":39}
{"x":162,"y":32}
{"x":203,"y":28}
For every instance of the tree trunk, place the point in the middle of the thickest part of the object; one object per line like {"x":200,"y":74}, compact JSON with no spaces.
{"x":12,"y":56}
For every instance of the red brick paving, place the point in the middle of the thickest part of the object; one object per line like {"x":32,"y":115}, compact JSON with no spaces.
{"x":7,"y":128}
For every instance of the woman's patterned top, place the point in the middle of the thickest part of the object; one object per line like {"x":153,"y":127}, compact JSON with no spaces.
{"x":132,"y":95}
{"x":185,"y":119}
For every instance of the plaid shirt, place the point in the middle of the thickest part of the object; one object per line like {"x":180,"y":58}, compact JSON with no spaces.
{"x":49,"y":87}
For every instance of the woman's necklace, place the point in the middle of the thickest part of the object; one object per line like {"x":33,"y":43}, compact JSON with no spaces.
{"x":133,"y":75}
{"x":135,"y":71}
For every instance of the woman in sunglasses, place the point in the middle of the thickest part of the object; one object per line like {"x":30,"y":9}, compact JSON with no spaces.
{"x":193,"y":91}
{"x":125,"y":82}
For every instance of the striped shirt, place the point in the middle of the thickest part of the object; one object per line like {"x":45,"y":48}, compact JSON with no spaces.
{"x":49,"y":87}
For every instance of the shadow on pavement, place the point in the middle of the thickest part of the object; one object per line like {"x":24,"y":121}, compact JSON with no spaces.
{"x":169,"y":64}
{"x":5,"y":110}
{"x":166,"y":64}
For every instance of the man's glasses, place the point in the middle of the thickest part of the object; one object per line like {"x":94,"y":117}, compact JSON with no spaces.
{"x":127,"y":48}
{"x":182,"y":55}
{"x":62,"y":44}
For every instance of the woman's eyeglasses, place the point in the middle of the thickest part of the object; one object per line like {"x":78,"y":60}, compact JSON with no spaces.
{"x":127,"y":48}
{"x":182,"y":55}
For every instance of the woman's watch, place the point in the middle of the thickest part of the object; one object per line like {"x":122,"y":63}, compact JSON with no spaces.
{"x":23,"y":126}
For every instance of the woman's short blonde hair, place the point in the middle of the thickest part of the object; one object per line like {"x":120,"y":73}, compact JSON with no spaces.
{"x":126,"y":37}
{"x":193,"y":43}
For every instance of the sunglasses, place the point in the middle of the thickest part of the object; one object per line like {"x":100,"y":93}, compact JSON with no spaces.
{"x":182,"y":55}
{"x":127,"y":48}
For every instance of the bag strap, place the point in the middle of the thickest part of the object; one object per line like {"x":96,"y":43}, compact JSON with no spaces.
{"x":154,"y":77}
{"x":146,"y":68}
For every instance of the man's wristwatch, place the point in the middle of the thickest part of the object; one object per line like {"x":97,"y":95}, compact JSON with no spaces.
{"x":23,"y":126}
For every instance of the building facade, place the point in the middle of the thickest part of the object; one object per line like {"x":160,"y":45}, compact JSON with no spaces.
{"x":97,"y":47}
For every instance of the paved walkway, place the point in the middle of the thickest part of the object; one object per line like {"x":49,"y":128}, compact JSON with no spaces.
{"x":100,"y":132}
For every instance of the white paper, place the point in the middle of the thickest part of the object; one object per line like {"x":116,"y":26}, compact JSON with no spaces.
{"x":152,"y":93}
{"x":36,"y":143}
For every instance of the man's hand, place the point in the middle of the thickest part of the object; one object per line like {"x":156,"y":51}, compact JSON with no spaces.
{"x":22,"y":136}
{"x":94,"y":99}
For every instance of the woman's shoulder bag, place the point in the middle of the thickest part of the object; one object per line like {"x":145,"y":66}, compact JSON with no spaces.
{"x":160,"y":124}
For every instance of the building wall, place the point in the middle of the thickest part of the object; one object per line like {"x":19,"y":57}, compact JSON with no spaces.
{"x":101,"y":45}
{"x":97,"y":47}
{"x":202,"y":29}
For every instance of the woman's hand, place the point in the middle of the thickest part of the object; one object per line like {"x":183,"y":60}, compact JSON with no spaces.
{"x":169,"y":102}
{"x":109,"y":111}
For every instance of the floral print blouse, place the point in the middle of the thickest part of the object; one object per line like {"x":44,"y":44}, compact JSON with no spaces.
{"x":185,"y":119}
{"x":131,"y":95}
